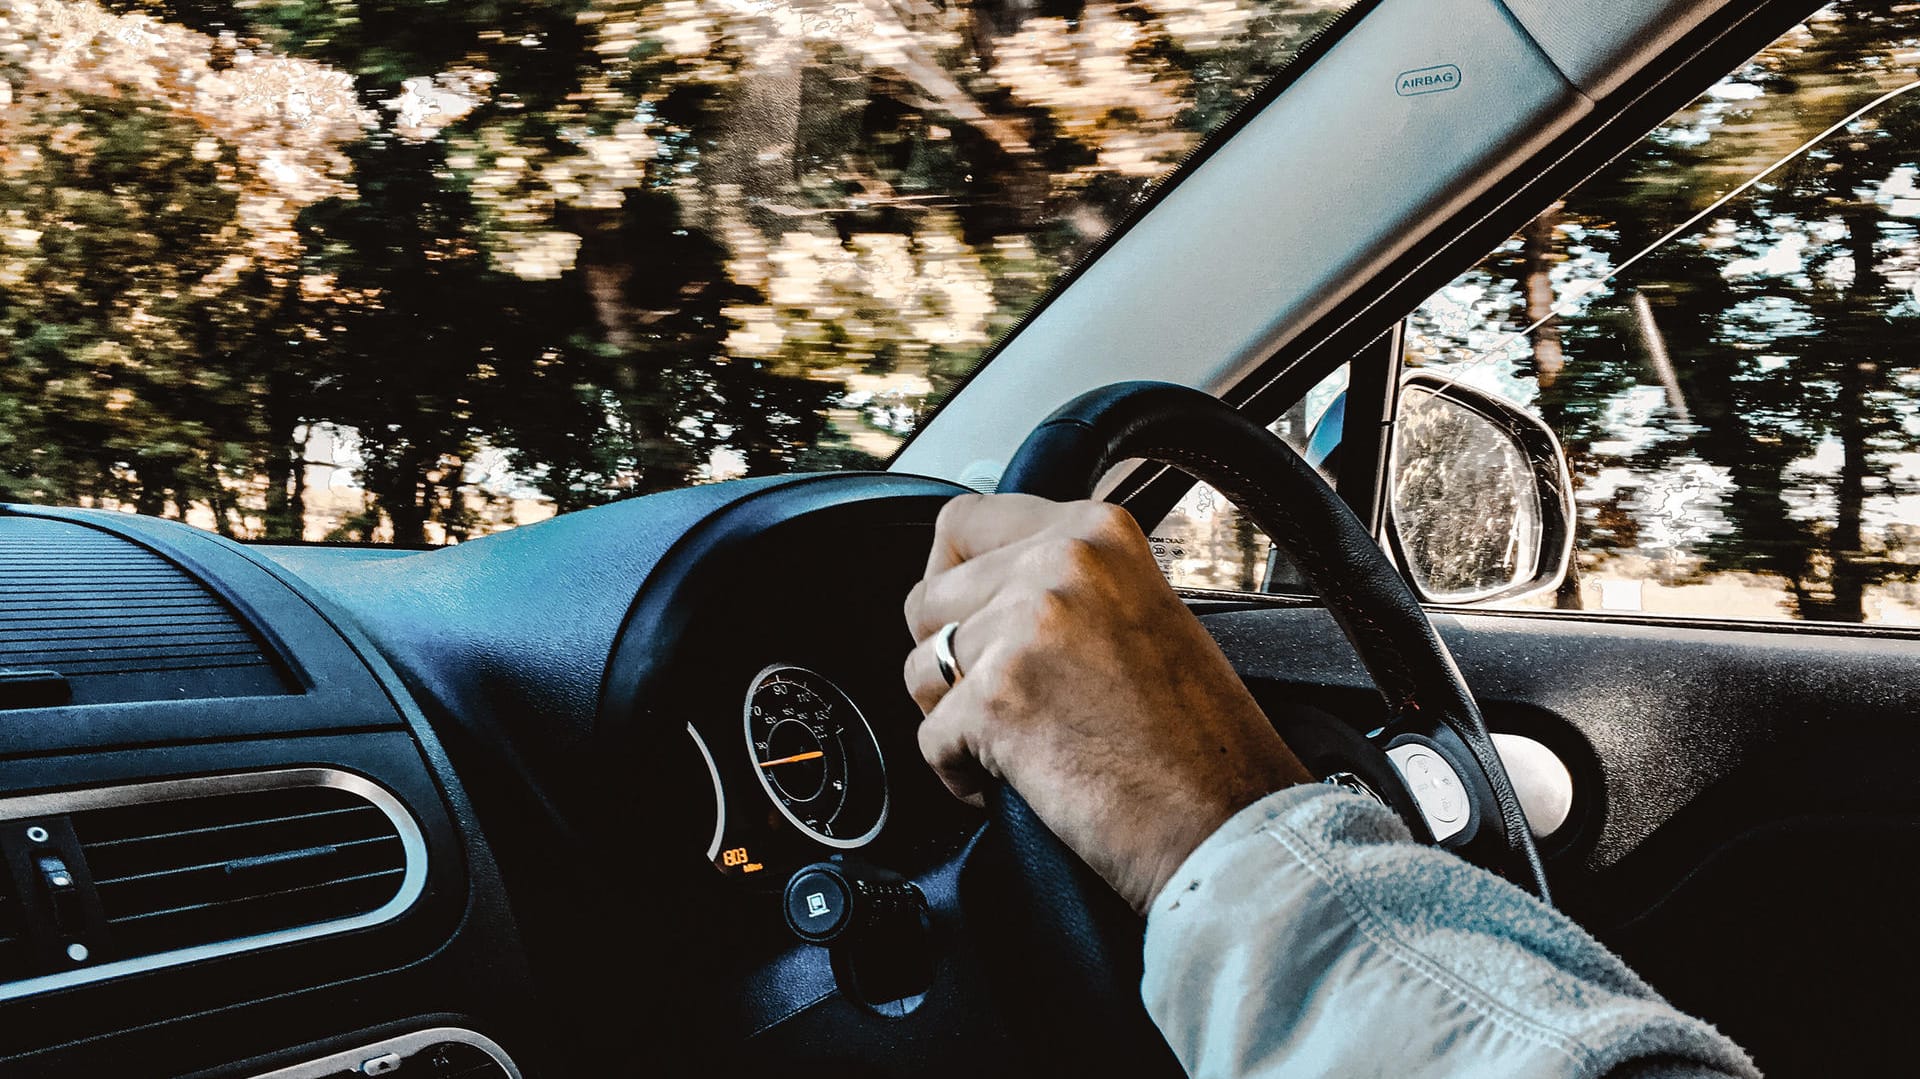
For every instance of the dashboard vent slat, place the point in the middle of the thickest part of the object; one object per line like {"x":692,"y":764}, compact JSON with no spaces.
{"x":178,"y":874}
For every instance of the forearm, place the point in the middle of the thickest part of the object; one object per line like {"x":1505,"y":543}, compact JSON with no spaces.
{"x":1312,"y":936}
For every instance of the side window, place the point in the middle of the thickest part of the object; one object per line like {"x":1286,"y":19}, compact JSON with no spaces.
{"x":1205,"y":542}
{"x":1723,"y":329}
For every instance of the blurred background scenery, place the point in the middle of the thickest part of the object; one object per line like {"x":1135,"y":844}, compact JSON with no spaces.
{"x":415,"y":270}
{"x":1741,"y":407}
{"x":412,"y":271}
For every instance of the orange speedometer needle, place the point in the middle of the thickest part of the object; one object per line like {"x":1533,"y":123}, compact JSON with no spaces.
{"x":797,"y":757}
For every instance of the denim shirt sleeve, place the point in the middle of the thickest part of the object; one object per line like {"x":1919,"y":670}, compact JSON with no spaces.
{"x":1311,"y":936}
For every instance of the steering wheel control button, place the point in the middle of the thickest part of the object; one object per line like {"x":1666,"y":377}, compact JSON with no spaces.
{"x":832,"y":902}
{"x":876,"y":924}
{"x":819,"y":905}
{"x":1435,"y":787}
{"x":384,"y":1064}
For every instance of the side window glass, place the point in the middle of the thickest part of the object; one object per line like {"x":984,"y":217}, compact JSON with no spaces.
{"x":1720,"y":329}
{"x":1205,"y":542}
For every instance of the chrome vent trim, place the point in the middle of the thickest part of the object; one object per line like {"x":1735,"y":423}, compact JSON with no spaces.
{"x":406,"y":1045}
{"x":412,"y":884}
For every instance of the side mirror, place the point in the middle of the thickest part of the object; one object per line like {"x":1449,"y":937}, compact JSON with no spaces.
{"x":1480,"y":503}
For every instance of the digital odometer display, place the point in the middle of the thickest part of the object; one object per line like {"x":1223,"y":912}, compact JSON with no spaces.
{"x":815,"y":756}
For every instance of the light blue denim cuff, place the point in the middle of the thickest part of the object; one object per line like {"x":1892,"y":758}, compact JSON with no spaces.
{"x":1310,"y":935}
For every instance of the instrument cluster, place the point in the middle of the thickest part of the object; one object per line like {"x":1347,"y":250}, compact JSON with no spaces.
{"x":801,"y":776}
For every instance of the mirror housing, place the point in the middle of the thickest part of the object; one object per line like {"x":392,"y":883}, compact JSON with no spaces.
{"x":1479,"y":499}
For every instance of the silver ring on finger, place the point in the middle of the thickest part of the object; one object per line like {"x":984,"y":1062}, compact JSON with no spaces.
{"x":943,"y":653}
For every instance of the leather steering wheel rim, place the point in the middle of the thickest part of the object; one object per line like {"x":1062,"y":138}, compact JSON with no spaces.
{"x":1069,"y":907}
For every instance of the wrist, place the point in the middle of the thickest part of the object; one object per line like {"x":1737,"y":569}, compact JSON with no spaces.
{"x":1203,"y":820}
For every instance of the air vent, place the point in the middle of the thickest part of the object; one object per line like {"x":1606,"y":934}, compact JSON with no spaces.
{"x":117,"y":621}
{"x":441,"y":1053}
{"x":120,"y":880}
{"x":178,"y":874}
{"x":448,"y":1060}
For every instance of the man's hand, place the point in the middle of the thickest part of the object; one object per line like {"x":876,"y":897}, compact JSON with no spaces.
{"x":1086,"y":684}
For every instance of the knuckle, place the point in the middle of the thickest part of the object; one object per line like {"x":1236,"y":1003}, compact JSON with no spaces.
{"x":1052,"y":610}
{"x":916,"y":671}
{"x":1107,"y":521}
{"x":1043,"y":617}
{"x":1079,"y":558}
{"x":951,"y":514}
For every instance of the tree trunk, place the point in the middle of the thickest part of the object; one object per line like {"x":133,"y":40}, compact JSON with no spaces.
{"x":1538,"y":255}
{"x":220,"y":503}
{"x":1844,"y":542}
{"x":285,"y":469}
{"x":1252,"y":549}
{"x":401,"y":489}
{"x":1856,"y":373}
{"x":1539,"y":243}
{"x":297,"y":495}
{"x":408,"y":518}
{"x":1567,"y":596}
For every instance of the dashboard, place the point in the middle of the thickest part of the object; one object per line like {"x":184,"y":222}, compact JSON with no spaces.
{"x":526,"y":806}
{"x":542,"y":804}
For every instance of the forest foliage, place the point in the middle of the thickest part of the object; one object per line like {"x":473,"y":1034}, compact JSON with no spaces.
{"x":545,"y":251}
{"x":504,"y":258}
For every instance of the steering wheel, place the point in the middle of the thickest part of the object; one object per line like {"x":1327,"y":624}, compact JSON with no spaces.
{"x":1433,"y":761}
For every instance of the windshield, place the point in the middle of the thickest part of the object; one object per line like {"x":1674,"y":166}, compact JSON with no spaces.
{"x":414,"y":272}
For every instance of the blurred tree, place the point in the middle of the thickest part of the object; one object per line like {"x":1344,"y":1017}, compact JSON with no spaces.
{"x":117,"y":222}
{"x":1808,"y":351}
{"x":1770,"y":329}
{"x":410,"y":326}
{"x":628,"y":245}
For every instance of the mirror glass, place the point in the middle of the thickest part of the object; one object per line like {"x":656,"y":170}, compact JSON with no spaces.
{"x":1464,"y":500}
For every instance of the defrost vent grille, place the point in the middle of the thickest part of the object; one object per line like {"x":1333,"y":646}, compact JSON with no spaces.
{"x":117,"y":621}
{"x":130,"y":878}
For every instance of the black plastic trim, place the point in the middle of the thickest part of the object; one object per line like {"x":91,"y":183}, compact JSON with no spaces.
{"x":337,"y":685}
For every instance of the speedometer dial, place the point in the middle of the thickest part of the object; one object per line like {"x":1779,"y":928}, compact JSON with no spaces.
{"x":816,"y":756}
